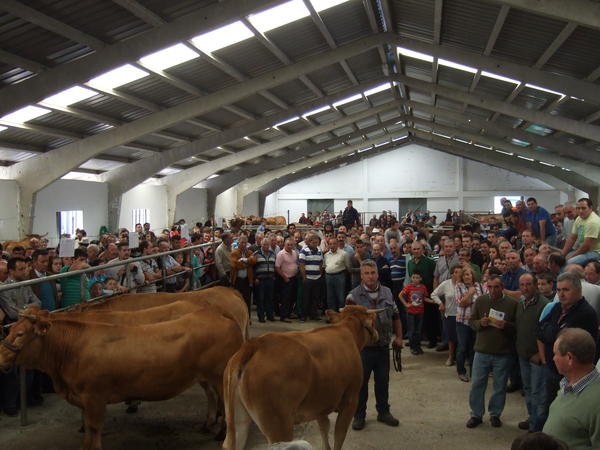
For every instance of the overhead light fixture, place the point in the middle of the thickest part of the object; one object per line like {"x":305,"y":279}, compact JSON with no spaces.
{"x":525,"y":158}
{"x":316,"y":111}
{"x":169,"y":57}
{"x":322,"y":5}
{"x":25,"y":114}
{"x":214,"y":175}
{"x":347,"y":100}
{"x":543,"y":89}
{"x":279,"y":15}
{"x":117,"y":77}
{"x":505,"y":153}
{"x":69,"y":96}
{"x":3,"y":128}
{"x":499,"y":77}
{"x":291,"y":119}
{"x":222,"y":37}
{"x":376,"y":89}
{"x":453,"y":65}
{"x":412,"y":54}
{"x":546,"y":164}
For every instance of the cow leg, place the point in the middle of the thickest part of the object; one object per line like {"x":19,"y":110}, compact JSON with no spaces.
{"x":324,"y":429}
{"x":212,"y":402}
{"x":342,"y":423}
{"x":93,"y":416}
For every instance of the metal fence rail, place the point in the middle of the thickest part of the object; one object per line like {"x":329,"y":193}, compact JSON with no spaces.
{"x":83,"y":281}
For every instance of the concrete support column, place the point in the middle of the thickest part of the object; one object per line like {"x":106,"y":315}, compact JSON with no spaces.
{"x":460,"y":182}
{"x":25,"y":210}
{"x":114,"y":208}
{"x":365,"y":176}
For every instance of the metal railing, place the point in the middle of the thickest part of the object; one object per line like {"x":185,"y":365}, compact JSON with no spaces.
{"x":82,"y":274}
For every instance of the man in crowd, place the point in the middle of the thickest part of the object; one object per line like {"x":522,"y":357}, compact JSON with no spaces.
{"x":350,"y":217}
{"x":375,"y":357}
{"x":431,"y":320}
{"x":3,"y":270}
{"x":510,"y":278}
{"x":170,"y":265}
{"x":45,"y":291}
{"x":223,"y":258}
{"x":149,"y":267}
{"x":585,"y":233}
{"x":135,"y":277}
{"x":361,"y":254}
{"x":448,"y":258}
{"x":311,"y":268}
{"x":493,"y":320}
{"x":241,"y":277}
{"x":264,"y":280}
{"x":528,"y":314}
{"x":383,"y":266}
{"x":570,"y":213}
{"x":574,"y":415}
{"x":572,"y":311}
{"x":286,"y":266}
{"x":592,"y":272}
{"x":335,"y":263}
{"x":539,"y":222}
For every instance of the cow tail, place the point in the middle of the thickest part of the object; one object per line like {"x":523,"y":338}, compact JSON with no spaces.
{"x":233,"y":375}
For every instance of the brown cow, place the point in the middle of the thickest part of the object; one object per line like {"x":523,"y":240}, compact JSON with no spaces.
{"x":226,"y":299}
{"x":262,"y":382}
{"x":95,"y":364}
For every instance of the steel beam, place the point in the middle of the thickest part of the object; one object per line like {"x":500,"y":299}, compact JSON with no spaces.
{"x":66,"y":75}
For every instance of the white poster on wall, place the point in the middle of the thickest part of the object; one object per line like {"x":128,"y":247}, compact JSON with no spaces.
{"x":67,"y":248}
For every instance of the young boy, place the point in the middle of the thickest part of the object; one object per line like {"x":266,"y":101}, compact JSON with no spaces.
{"x":546,"y":283}
{"x":412,"y":297}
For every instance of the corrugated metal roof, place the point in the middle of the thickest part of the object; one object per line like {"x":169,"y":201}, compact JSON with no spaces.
{"x":307,"y":39}
{"x":414,"y":18}
{"x":338,"y":18}
{"x":250,"y":57}
{"x":481,"y":18}
{"x":578,"y":56}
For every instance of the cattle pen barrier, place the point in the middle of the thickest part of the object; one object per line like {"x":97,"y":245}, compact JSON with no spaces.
{"x":82,"y":274}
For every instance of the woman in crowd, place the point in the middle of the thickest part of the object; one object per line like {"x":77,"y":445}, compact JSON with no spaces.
{"x":467,"y":291}
{"x":446,"y":293}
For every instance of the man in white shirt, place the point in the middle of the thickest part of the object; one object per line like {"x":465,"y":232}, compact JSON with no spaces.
{"x":335,"y":263}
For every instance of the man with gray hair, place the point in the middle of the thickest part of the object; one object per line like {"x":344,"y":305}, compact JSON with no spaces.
{"x":571,"y":311}
{"x":574,"y":415}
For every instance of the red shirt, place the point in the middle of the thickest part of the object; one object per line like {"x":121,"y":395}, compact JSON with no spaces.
{"x":414,"y":296}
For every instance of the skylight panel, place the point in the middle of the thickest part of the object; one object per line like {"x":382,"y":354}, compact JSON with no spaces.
{"x":291,"y":119}
{"x":25,"y":114}
{"x":118,"y":77}
{"x":487,"y":147}
{"x":505,"y":153}
{"x":445,"y":62}
{"x":546,"y":164}
{"x":360,"y":150}
{"x":169,"y":57}
{"x":322,"y":5}
{"x":222,"y":37}
{"x":462,"y":140}
{"x":543,"y":89}
{"x":440,"y":134}
{"x":316,"y":111}
{"x":347,"y":100}
{"x":169,"y":171}
{"x":539,"y":129}
{"x":525,"y":158}
{"x":379,"y":144}
{"x":412,"y":54}
{"x":3,"y":128}
{"x":399,"y":138}
{"x":69,"y":96}
{"x":279,"y":15}
{"x":500,"y":77}
{"x":376,"y":89}
{"x":214,"y":175}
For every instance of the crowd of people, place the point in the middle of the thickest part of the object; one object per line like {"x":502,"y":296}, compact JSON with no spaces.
{"x":518,"y":298}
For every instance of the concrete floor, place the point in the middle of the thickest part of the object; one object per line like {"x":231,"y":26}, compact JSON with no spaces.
{"x":426,"y":396}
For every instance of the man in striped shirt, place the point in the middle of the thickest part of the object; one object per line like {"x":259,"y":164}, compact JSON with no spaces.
{"x":264,"y":280}
{"x":311,"y":268}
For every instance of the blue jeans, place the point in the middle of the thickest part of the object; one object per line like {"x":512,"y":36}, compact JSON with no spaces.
{"x":534,"y":385}
{"x":414,"y":324}
{"x":376,"y":360}
{"x":499,"y":366}
{"x":464,"y":347}
{"x":583,"y":259}
{"x":336,"y":288}
{"x":263,"y":296}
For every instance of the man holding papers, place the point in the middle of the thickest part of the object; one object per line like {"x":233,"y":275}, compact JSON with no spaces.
{"x":493,"y":320}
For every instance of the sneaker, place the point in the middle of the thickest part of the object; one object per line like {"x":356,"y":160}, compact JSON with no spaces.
{"x":524,"y":425}
{"x":495,"y":421}
{"x":358,"y":424}
{"x":388,"y":419}
{"x":463,"y":377}
{"x":474,"y":422}
{"x":449,"y":362}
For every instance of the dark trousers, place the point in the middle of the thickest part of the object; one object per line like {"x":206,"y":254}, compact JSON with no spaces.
{"x":243,"y":286}
{"x":432,"y":323}
{"x":312,"y":291}
{"x":464,"y":347}
{"x":552,"y":385}
{"x":396,"y":288}
{"x":288,"y":294}
{"x":10,"y":388}
{"x":263,"y":297}
{"x":376,"y":360}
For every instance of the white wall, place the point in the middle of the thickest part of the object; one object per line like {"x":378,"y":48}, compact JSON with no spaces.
{"x":447,"y":181}
{"x":70,"y":195}
{"x":192,"y":206}
{"x":226,"y":204}
{"x":9,"y":197}
{"x":250,"y":204}
{"x":145,"y":196}
{"x":295,"y":208}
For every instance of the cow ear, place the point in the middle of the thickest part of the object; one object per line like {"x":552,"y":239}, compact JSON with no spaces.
{"x":333,"y":316}
{"x":42,"y":326}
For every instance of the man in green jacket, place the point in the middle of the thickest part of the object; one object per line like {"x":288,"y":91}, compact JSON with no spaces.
{"x":493,"y":320}
{"x":574,"y":415}
{"x":529,"y":309}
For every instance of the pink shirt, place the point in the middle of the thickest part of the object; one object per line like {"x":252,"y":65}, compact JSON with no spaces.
{"x":287,"y":263}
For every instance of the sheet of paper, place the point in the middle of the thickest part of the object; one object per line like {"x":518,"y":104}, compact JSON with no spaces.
{"x":185,"y":234}
{"x":495,"y":316}
{"x":67,"y":248}
{"x":134,"y":240}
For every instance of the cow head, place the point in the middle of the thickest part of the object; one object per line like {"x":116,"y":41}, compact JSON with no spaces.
{"x":32,"y":323}
{"x":365,"y":316}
